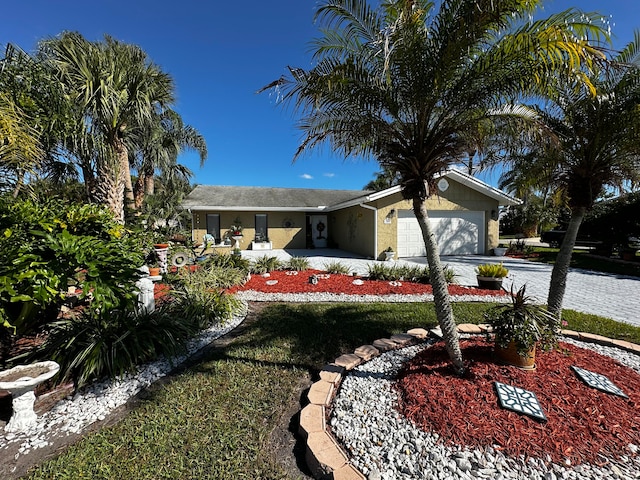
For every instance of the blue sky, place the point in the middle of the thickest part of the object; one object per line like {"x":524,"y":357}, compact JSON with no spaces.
{"x":220,"y":54}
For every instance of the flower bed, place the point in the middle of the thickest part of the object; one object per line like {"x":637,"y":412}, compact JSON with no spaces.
{"x":299,"y":282}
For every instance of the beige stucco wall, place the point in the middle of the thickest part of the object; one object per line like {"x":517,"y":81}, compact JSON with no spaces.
{"x":281,"y":235}
{"x":456,"y":197}
{"x":352,"y":229}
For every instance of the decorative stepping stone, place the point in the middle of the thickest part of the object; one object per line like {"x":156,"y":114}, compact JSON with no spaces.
{"x":519,"y":400}
{"x":403,"y":338}
{"x":420,"y":333}
{"x":367,"y":352}
{"x":384,"y":344}
{"x":595,"y":380}
{"x":470,"y":328}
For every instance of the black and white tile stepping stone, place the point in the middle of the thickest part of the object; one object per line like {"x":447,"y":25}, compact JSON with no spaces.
{"x":598,"y":381}
{"x":519,"y":400}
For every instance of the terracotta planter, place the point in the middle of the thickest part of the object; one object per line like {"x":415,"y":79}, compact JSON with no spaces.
{"x":510,"y":356}
{"x":489,"y":283}
{"x":154,"y":271}
{"x":161,"y":245}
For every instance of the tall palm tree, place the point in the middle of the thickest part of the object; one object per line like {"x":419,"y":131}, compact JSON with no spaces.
{"x":20,"y":149}
{"x":595,"y":147}
{"x":161,"y":141}
{"x":412,"y":82}
{"x":119,"y":90}
{"x":384,"y":179}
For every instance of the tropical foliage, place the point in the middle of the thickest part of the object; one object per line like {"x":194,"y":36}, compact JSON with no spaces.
{"x":591,"y":146}
{"x":494,"y":270}
{"x":417,"y":85}
{"x":47,"y":247}
{"x":91,"y":111}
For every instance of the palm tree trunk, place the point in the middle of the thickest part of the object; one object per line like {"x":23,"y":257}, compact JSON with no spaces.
{"x":149,"y":182}
{"x":19,"y":183}
{"x":109,"y":190}
{"x":125,"y":172}
{"x":138,"y":190}
{"x":560,"y":270}
{"x":441,"y":300}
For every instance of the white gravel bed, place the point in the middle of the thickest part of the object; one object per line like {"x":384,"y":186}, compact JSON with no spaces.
{"x":94,"y":402}
{"x":385,"y":445}
{"x":255,"y":296}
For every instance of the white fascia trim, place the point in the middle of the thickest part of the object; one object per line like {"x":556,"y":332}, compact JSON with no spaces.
{"x":365,"y":198}
{"x":482,"y":187}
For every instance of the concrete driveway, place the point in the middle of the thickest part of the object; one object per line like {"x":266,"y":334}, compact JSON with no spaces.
{"x":608,"y":295}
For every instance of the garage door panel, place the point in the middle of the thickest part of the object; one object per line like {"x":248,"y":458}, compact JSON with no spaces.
{"x":457,"y":232}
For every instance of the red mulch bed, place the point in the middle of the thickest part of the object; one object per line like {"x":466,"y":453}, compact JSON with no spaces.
{"x":583,"y":424}
{"x":298,"y":282}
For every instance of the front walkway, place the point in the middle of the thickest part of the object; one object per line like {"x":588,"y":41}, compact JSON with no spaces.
{"x":607,"y":295}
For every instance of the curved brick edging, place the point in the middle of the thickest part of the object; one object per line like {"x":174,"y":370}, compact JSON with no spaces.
{"x":324,"y":457}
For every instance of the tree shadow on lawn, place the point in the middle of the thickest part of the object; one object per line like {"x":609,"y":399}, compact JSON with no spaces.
{"x":309,"y":335}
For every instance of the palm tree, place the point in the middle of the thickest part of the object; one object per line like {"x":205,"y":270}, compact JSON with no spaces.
{"x":20,"y":149}
{"x":411,"y":84}
{"x":161,"y":141}
{"x":384,"y":179}
{"x":118,"y":90}
{"x":593,"y":140}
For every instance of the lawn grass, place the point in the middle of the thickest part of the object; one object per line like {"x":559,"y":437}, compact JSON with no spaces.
{"x":213,"y":421}
{"x":585,"y":260}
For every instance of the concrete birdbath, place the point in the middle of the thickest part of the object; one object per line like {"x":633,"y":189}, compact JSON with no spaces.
{"x":20,"y":382}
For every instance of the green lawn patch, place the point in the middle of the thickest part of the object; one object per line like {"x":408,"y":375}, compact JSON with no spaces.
{"x":585,"y":260}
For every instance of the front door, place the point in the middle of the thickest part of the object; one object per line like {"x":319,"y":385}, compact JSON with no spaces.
{"x":319,"y":230}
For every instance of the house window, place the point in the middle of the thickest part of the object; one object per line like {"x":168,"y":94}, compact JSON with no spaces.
{"x":213,"y":226}
{"x":261,"y":228}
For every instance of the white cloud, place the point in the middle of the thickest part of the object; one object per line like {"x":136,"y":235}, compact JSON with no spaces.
{"x":330,"y":175}
{"x":306,"y":176}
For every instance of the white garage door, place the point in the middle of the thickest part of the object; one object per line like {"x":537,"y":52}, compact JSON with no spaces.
{"x":457,"y":233}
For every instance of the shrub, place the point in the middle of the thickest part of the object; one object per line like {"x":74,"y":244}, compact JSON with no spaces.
{"x":98,"y":344}
{"x":266,"y":264}
{"x":204,"y":307}
{"x":49,"y":245}
{"x":298,"y":263}
{"x":381,"y":271}
{"x":337,"y":268}
{"x":228,"y":261}
{"x":496,"y":270}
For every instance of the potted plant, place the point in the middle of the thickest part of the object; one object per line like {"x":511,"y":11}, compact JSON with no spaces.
{"x":154,"y":270}
{"x":389,"y":254}
{"x":490,"y":275}
{"x":519,"y":327}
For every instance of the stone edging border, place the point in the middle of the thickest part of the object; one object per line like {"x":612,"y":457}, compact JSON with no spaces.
{"x":324,"y":456}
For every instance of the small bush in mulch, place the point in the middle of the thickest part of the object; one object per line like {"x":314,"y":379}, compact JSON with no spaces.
{"x":584,"y":424}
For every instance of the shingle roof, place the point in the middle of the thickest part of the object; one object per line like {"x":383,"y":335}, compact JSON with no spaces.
{"x":207,"y":197}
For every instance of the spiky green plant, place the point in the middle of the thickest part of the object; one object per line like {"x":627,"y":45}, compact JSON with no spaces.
{"x":298,"y":264}
{"x":337,"y":268}
{"x":266,"y":264}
